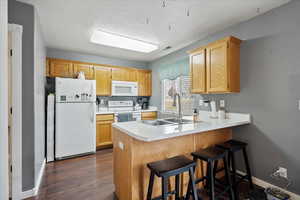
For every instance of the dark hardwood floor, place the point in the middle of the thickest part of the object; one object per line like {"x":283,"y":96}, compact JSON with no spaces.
{"x":89,"y":177}
{"x":85,"y":178}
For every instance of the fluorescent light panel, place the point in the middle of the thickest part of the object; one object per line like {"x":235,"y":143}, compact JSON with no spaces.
{"x":114,"y":40}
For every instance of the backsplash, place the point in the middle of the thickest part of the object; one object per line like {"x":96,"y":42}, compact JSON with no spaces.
{"x":111,"y":98}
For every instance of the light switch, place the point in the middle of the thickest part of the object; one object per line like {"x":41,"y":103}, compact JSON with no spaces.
{"x":121,"y":145}
{"x":222,"y":103}
{"x":200,"y":102}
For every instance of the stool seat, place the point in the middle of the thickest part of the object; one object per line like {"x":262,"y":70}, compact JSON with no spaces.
{"x":174,"y":166}
{"x":209,"y":154}
{"x":212,"y":155}
{"x":170,"y":165}
{"x":232,"y":145}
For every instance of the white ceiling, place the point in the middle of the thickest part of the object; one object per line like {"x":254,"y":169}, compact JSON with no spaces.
{"x":68,"y":24}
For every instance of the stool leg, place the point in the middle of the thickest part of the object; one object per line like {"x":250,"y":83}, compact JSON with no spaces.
{"x":188,"y":192}
{"x":248,"y":168}
{"x":192,"y":182}
{"x":211,"y":180}
{"x":234,"y":183}
{"x":164,"y":188}
{"x":150,"y":186}
{"x":177,"y":187}
{"x":215,"y":168}
{"x":227,"y":174}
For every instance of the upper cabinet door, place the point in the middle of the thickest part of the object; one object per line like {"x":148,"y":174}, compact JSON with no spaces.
{"x":124,"y":74}
{"x":103,"y":80}
{"x":61,"y":68}
{"x":86,"y":68}
{"x":198,"y":71}
{"x":217,"y":68}
{"x":144,"y":78}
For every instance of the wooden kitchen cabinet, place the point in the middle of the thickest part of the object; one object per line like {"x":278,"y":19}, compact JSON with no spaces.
{"x":149,"y":115}
{"x":144,"y":78}
{"x":220,"y":62}
{"x":198,"y":71}
{"x":124,"y":74}
{"x":103,"y":80}
{"x":61,"y":68}
{"x":104,"y":131}
{"x":103,"y":74}
{"x":88,"y":70}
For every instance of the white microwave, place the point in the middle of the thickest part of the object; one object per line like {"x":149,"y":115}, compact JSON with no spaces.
{"x":124,"y":88}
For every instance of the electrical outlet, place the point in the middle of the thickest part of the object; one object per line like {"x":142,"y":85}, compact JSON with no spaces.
{"x":222,"y":103}
{"x":282,"y":172}
{"x":200,"y":102}
{"x":121,"y":145}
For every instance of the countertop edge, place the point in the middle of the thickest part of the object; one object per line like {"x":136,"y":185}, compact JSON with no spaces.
{"x":146,"y":139}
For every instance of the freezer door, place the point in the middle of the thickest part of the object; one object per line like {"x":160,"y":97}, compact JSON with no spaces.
{"x":75,"y":90}
{"x":75,"y":129}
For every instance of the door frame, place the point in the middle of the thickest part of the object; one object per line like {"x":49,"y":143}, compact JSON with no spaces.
{"x":16,"y":129}
{"x":4,"y":181}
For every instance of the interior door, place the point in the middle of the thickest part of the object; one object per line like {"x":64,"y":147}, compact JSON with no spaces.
{"x":217,"y":80}
{"x":198,"y":71}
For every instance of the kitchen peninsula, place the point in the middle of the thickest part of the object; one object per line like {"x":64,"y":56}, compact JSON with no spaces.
{"x":138,"y":143}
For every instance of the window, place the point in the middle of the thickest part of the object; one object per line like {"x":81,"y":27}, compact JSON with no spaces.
{"x":179,"y":85}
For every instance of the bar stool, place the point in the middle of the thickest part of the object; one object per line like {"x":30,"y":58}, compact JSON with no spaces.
{"x":233,"y":146}
{"x":171,"y":167}
{"x":212,"y":155}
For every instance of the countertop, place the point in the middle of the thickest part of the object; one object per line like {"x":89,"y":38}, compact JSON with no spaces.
{"x":149,"y":133}
{"x":107,"y":111}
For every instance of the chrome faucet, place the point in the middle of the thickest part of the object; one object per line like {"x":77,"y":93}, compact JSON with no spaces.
{"x":179,"y":106}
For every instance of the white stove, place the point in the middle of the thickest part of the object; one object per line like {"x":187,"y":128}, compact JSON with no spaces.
{"x":124,"y":111}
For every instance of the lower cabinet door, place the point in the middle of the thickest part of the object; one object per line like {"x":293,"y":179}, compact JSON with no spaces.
{"x":103,"y":133}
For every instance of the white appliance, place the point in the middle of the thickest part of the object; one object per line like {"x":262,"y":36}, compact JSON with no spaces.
{"x":124,"y":88}
{"x":124,"y":111}
{"x":50,"y":127}
{"x":75,"y":130}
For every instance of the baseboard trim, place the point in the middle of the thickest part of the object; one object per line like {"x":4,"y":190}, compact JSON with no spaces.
{"x":33,"y":192}
{"x":265,"y":184}
{"x":40,"y":178}
{"x":28,"y":193}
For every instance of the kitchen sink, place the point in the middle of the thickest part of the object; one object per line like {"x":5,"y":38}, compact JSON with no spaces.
{"x":176,"y":120}
{"x":169,"y":121}
{"x":156,"y":122}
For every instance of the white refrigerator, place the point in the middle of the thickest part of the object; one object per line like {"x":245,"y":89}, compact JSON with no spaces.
{"x":75,"y":117}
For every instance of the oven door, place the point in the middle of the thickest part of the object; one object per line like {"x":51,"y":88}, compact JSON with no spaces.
{"x":124,"y":88}
{"x":124,"y":117}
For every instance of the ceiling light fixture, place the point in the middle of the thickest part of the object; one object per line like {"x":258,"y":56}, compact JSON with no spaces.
{"x":119,"y":41}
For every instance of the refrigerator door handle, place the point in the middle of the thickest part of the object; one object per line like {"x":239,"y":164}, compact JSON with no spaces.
{"x":92,"y":113}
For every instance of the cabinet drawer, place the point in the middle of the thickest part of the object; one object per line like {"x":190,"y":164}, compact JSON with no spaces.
{"x":105,"y":117}
{"x":149,"y":115}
